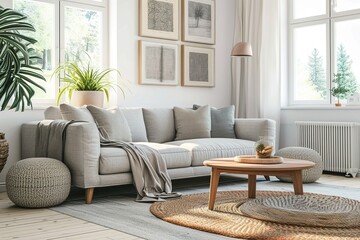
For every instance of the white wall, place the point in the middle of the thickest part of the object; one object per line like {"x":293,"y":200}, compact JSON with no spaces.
{"x":10,"y":123}
{"x":289,"y":116}
{"x":124,"y":55}
{"x":168,"y":96}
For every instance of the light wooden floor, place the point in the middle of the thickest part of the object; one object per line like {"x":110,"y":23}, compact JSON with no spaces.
{"x":38,"y":224}
{"x":20,"y":223}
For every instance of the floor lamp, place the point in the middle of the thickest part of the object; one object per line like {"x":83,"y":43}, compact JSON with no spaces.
{"x":241,"y":49}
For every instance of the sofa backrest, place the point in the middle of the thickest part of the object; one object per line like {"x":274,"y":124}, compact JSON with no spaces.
{"x":148,"y":124}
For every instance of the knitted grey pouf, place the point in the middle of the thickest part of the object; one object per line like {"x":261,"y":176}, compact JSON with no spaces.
{"x":38,"y":182}
{"x":308,"y":175}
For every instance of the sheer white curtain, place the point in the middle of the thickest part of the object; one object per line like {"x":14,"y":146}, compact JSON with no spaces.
{"x":256,"y":80}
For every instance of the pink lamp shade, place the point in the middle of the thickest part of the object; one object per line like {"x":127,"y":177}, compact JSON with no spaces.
{"x":242,"y":49}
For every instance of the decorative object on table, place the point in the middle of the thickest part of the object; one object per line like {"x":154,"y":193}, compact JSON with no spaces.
{"x":255,"y":160}
{"x":4,"y":150}
{"x":38,"y":182}
{"x":158,"y":63}
{"x":198,"y":21}
{"x":85,"y":84}
{"x":19,"y":76}
{"x":305,"y":210}
{"x":264,"y":147}
{"x":344,"y":87}
{"x":159,"y":19}
{"x":308,"y":175}
{"x":227,"y":219}
{"x":198,"y":66}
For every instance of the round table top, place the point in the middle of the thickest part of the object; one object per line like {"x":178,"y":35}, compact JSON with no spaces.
{"x":287,"y":165}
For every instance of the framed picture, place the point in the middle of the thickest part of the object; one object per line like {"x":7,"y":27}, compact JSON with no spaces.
{"x":198,"y":66}
{"x":198,"y":23}
{"x":159,"y":19}
{"x":158,"y":63}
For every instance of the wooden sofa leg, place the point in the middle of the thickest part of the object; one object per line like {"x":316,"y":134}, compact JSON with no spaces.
{"x":267,"y":178}
{"x":89,"y":193}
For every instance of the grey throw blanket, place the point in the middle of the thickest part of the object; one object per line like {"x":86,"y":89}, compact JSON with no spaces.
{"x":50,"y":138}
{"x":149,"y":171}
{"x":148,"y":168}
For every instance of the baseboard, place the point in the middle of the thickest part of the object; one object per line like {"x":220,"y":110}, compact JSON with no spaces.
{"x":2,"y":187}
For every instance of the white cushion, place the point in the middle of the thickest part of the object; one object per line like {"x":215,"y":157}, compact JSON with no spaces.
{"x":209,"y":148}
{"x":115,"y":160}
{"x":52,"y":113}
{"x":192,"y":124}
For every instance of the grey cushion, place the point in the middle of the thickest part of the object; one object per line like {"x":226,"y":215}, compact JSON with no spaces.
{"x":222,"y":122}
{"x":208,"y":148}
{"x":52,"y":113}
{"x":111,"y":123}
{"x":191,"y":124}
{"x":69,"y":113}
{"x":115,"y":160}
{"x":135,"y":119}
{"x":160,"y":124}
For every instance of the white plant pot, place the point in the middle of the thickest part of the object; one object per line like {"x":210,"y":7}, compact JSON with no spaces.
{"x":95,"y":98}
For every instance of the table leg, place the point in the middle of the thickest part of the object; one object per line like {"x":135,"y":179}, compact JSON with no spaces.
{"x":252,"y":186}
{"x":297,"y":182}
{"x":214,"y":182}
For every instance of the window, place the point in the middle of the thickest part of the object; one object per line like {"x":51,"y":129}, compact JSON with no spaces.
{"x":73,"y":30}
{"x":323,"y":41}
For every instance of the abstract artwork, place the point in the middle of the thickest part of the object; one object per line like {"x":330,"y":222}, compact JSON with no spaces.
{"x":159,"y":19}
{"x":198,"y":66}
{"x":198,"y":21}
{"x":158,"y":63}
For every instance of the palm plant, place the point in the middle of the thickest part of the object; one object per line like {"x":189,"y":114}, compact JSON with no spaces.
{"x":84,"y":77}
{"x":17,"y":76}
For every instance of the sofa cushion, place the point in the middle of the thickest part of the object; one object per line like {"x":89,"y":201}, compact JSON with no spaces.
{"x":208,"y":148}
{"x":69,"y":113}
{"x":222,"y":121}
{"x":115,"y":160}
{"x":52,"y":113}
{"x":160,"y":124}
{"x":135,"y":119}
{"x":192,"y":124}
{"x":111,"y":123}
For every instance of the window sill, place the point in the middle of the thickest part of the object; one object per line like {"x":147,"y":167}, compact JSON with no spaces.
{"x":325,"y":107}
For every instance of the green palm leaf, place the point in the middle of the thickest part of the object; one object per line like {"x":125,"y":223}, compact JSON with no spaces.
{"x":17,"y":78}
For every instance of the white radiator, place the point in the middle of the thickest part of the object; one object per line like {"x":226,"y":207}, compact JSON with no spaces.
{"x":338,"y":144}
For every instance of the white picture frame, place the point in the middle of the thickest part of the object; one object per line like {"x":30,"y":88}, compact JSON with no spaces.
{"x":159,"y":19}
{"x":200,"y":29}
{"x":159,"y":63}
{"x":198,"y":66}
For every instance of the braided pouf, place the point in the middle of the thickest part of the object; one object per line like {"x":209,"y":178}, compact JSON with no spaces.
{"x":38,"y":182}
{"x":308,"y":175}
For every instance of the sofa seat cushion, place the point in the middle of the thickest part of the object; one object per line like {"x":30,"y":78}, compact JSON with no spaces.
{"x":115,"y":160}
{"x":208,"y":148}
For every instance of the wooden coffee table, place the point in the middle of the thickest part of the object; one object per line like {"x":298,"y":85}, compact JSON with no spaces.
{"x":289,"y":168}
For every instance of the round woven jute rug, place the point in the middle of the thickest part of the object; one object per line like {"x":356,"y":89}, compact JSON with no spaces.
{"x":305,"y":210}
{"x":228,"y":219}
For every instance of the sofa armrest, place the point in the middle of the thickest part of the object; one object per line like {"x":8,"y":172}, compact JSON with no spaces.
{"x":81,"y":155}
{"x":253,"y":128}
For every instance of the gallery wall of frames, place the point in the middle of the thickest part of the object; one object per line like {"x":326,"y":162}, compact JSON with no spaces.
{"x":177,"y":39}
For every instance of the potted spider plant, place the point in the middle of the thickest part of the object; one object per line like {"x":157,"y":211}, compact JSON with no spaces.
{"x":85,"y":84}
{"x":17,"y":75}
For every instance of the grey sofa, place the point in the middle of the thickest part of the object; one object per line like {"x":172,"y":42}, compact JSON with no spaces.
{"x":92,"y":166}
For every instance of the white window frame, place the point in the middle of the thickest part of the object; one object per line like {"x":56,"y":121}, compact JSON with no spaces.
{"x":101,"y":6}
{"x":329,"y":19}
